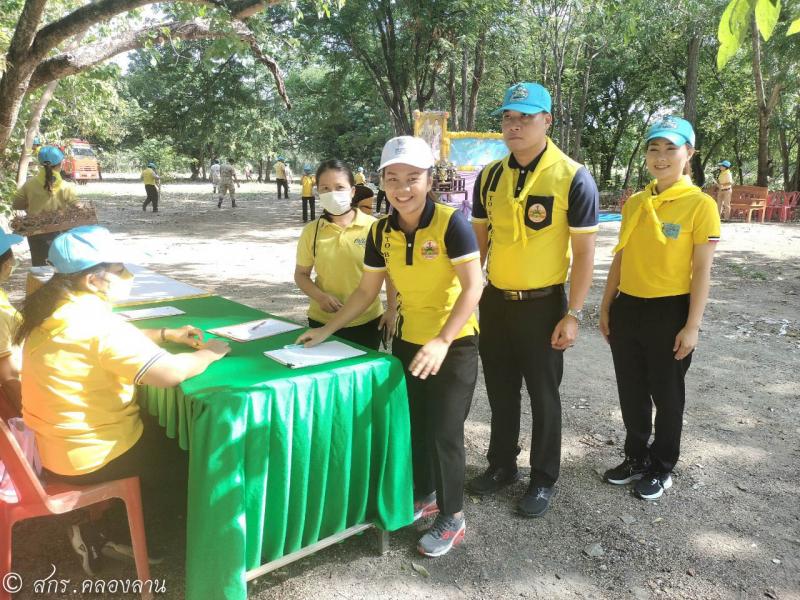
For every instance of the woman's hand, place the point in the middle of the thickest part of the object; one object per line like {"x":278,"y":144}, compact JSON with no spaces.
{"x":429,"y":358}
{"x":217,"y":347}
{"x":685,"y":341}
{"x":188,"y":335}
{"x":388,"y":324}
{"x":605,"y":321}
{"x":312,"y":337}
{"x":328,"y":303}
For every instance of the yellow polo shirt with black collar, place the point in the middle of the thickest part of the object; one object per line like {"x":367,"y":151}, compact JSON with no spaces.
{"x":687,"y":217}
{"x":308,"y":182}
{"x":79,"y":369}
{"x":337,"y":256}
{"x":33,"y":198}
{"x":421,"y":267}
{"x":531,"y":210}
{"x":149,"y":176}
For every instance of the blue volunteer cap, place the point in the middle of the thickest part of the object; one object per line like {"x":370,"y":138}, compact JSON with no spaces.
{"x":152,"y":165}
{"x":725,"y":163}
{"x":7,"y":240}
{"x":676,"y":130}
{"x":50,"y":156}
{"x":528,"y":98}
{"x":82,"y":248}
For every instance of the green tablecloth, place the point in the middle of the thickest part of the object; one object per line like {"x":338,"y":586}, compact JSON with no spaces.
{"x":280,"y":458}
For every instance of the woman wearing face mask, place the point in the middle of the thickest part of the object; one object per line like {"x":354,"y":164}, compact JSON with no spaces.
{"x":10,"y":358}
{"x":80,"y":365}
{"x":333,"y":246}
{"x":653,"y":305}
{"x":45,"y":192}
{"x":431,"y":255}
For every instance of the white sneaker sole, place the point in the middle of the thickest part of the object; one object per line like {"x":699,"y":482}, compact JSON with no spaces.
{"x":636,"y":477}
{"x":664,"y":486}
{"x":80,"y":548}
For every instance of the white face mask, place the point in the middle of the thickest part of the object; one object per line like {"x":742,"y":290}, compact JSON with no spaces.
{"x":336,"y":203}
{"x":118,"y":286}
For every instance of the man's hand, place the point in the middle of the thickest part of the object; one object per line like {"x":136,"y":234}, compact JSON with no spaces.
{"x":187,"y":335}
{"x":685,"y":342}
{"x":429,"y":358}
{"x":565,"y":333}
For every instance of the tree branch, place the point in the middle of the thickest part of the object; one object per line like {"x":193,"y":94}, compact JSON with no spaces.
{"x":69,"y":63}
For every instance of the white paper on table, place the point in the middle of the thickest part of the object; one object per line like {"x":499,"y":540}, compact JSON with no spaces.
{"x":150,"y":313}
{"x":295,"y":358}
{"x":255,"y":330}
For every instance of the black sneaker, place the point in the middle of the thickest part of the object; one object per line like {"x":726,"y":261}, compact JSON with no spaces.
{"x":536,"y":500}
{"x":628,"y":470}
{"x":492,"y":480}
{"x":652,"y":485}
{"x":87,"y":546}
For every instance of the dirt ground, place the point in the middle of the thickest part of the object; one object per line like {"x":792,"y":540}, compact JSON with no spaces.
{"x":729,"y":527}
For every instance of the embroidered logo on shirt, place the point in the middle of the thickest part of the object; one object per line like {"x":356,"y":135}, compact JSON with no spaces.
{"x":360,"y":242}
{"x":429,"y":249}
{"x":537,"y":213}
{"x":520,"y":93}
{"x":671,"y":230}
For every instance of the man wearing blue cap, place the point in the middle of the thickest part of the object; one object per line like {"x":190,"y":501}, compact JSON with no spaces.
{"x":530,"y":211}
{"x":10,"y":358}
{"x":725,"y":181}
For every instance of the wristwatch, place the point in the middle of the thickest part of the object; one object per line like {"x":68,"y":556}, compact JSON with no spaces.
{"x":576,"y":313}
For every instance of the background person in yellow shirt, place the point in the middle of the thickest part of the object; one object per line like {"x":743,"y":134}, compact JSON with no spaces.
{"x":80,"y":365}
{"x":333,"y":246}
{"x":360,"y":179}
{"x":653,"y":305}
{"x":308,"y":182}
{"x":725,"y":181}
{"x":531,"y":211}
{"x":45,"y":192}
{"x":10,"y":357}
{"x":429,"y":252}
{"x":281,"y":179}
{"x":152,"y":186}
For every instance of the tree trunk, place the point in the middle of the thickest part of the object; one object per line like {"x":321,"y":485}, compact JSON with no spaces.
{"x":785,"y":155}
{"x":692,"y":69}
{"x":577,"y":151}
{"x":765,"y":107}
{"x":451,"y":91}
{"x":32,"y":130}
{"x":737,"y":150}
{"x":477,"y":78}
{"x":464,"y":84}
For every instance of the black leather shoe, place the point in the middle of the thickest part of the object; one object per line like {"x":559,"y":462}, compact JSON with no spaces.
{"x":536,"y":500}
{"x":493,"y":479}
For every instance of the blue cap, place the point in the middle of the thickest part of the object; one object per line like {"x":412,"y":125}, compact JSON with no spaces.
{"x":82,"y":248}
{"x":280,"y":158}
{"x":50,"y":156}
{"x":725,"y":163}
{"x":676,"y":130}
{"x":307,"y":169}
{"x":528,"y":98}
{"x":152,"y":165}
{"x":7,"y":240}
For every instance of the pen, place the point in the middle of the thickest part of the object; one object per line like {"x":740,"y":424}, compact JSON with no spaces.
{"x":257,"y":325}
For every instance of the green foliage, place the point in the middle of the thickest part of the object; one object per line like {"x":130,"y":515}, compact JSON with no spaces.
{"x":734,"y":25}
{"x":158,"y":150}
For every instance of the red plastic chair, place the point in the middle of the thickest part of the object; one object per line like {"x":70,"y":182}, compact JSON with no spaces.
{"x":774,"y":202}
{"x":36,"y":501}
{"x":786,"y":210}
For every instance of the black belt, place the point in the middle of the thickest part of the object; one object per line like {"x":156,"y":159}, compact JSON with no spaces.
{"x":516,"y":295}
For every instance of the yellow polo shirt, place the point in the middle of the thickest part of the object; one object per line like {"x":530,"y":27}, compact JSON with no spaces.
{"x":725,"y":179}
{"x":9,"y":321}
{"x":688,"y":217}
{"x":78,"y":374}
{"x":421,"y":266}
{"x":531,"y":211}
{"x":337,"y":256}
{"x":149,"y":176}
{"x":308,"y":182}
{"x":34,"y":199}
{"x":360,"y":179}
{"x":280,"y":170}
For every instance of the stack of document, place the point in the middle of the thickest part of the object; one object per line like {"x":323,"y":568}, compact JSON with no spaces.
{"x":150,"y":313}
{"x":254,"y":330}
{"x":296,"y":357}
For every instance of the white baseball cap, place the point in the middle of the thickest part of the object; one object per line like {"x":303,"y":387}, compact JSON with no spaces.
{"x":407,"y":150}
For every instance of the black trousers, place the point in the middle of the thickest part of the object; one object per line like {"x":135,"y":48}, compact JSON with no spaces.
{"x":515,"y":344}
{"x":282,"y":185}
{"x":367,"y":334}
{"x":439,"y":405}
{"x":152,"y":197}
{"x":381,"y":198}
{"x":642,"y":336}
{"x":40,"y":246}
{"x":308,"y":201}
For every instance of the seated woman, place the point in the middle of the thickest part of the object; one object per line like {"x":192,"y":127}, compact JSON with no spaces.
{"x":333,"y":246}
{"x":80,"y":364}
{"x":9,"y":320}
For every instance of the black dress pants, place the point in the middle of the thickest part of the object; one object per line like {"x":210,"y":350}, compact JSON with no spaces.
{"x":40,"y":246}
{"x":642,"y":336}
{"x":152,"y":197}
{"x":515,"y":344}
{"x":282,"y":185}
{"x":366,"y":334}
{"x":308,"y":203}
{"x":439,"y":405}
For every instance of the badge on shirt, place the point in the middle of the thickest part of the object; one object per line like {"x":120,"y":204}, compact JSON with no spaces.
{"x":671,"y":230}
{"x":537,"y":213}
{"x":429,"y":249}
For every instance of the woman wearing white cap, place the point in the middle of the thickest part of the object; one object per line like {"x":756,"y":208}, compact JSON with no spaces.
{"x":10,"y":397}
{"x":430,"y":253}
{"x":80,"y":364}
